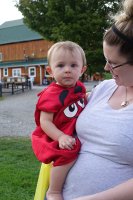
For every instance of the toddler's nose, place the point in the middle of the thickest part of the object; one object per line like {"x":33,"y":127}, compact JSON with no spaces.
{"x":67,"y":68}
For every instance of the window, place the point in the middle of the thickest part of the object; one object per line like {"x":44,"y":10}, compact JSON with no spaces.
{"x":16,"y":72}
{"x":32,"y":72}
{"x":5,"y":72}
{"x":1,"y":57}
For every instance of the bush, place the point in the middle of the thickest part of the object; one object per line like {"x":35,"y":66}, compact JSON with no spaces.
{"x":107,"y":75}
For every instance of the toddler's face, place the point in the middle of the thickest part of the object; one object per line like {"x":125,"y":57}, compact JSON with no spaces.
{"x":67,"y":67}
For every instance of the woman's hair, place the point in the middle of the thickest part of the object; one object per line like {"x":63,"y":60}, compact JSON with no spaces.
{"x":121,"y":32}
{"x":66,"y":45}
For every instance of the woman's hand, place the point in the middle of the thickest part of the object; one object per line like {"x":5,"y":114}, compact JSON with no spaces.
{"x":66,"y":142}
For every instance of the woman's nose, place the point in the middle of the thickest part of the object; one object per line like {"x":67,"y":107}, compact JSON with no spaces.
{"x":106,"y":67}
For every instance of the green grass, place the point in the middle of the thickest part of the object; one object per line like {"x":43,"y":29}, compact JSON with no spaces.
{"x":19,"y":169}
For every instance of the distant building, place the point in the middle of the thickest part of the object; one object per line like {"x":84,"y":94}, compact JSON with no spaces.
{"x":23,"y":52}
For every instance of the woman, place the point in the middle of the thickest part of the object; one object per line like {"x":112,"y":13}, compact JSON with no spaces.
{"x":104,"y":169}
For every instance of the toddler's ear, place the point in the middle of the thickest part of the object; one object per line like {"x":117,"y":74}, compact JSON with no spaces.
{"x":48,"y":69}
{"x":83,"y":69}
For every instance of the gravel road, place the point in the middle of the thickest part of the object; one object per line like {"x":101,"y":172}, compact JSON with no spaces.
{"x":17,"y":112}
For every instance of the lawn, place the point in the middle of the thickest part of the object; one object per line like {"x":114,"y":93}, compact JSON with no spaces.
{"x":19,"y":169}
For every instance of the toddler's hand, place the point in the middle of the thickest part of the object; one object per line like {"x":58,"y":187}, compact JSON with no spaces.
{"x":66,"y":142}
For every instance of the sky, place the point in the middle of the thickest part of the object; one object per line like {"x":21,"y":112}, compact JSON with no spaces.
{"x":8,"y":11}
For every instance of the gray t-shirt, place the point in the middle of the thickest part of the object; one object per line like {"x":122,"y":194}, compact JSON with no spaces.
{"x":106,"y":156}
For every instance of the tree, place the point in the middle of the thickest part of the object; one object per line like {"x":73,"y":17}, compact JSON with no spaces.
{"x":81,"y":21}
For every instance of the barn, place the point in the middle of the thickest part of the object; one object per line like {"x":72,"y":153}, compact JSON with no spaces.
{"x":23,"y":53}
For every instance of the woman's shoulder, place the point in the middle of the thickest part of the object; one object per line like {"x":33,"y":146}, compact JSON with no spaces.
{"x":103,"y":89}
{"x":105,"y":85}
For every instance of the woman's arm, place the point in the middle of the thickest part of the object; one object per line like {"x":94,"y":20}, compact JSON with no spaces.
{"x":47,"y":125}
{"x":123,"y":191}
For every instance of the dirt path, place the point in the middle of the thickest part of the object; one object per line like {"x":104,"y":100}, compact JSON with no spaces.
{"x":17,"y":113}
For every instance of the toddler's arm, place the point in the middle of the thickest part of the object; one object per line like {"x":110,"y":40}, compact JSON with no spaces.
{"x":47,"y":125}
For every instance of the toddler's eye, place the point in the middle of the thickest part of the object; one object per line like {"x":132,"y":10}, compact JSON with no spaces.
{"x":73,"y":65}
{"x":60,"y":65}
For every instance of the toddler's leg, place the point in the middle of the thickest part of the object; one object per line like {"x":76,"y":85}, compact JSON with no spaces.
{"x":57,"y":178}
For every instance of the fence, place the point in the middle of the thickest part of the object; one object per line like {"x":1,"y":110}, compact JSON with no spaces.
{"x":13,"y":86}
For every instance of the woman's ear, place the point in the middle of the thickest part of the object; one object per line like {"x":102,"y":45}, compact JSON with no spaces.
{"x":49,"y":70}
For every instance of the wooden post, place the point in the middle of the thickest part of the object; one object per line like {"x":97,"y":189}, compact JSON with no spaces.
{"x":29,"y":84}
{"x":12,"y":88}
{"x":0,"y":89}
{"x":22,"y":87}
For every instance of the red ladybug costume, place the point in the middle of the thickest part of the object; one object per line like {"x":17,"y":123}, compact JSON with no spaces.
{"x":66,"y":104}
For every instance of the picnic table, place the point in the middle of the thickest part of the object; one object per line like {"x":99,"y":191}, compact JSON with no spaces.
{"x":14,"y":84}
